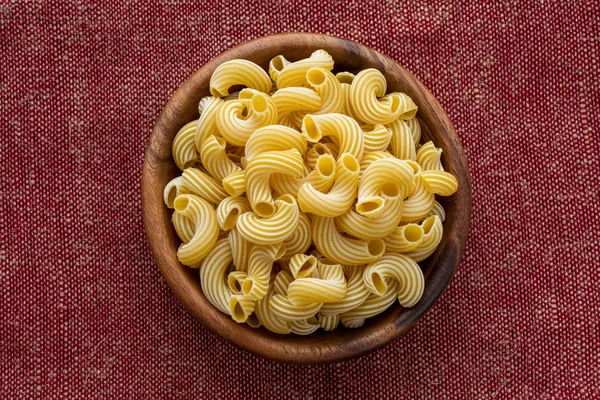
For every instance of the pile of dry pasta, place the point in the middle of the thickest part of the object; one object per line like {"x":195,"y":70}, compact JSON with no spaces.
{"x":306,"y":199}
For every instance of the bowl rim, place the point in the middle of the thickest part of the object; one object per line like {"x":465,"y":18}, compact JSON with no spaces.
{"x":257,"y":341}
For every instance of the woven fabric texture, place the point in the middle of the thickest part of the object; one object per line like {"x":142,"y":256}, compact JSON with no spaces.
{"x":84,"y":311}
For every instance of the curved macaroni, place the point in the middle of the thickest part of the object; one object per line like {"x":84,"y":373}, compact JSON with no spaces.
{"x":262,"y":310}
{"x":419,"y":202}
{"x":274,"y":138}
{"x":294,"y":74}
{"x":203,"y":185}
{"x":330,"y":287}
{"x":402,"y":143}
{"x":366,"y":89}
{"x":302,"y":265}
{"x":214,"y":158}
{"x":184,"y":226}
{"x":238,"y":72}
{"x":240,"y":249}
{"x":317,"y":150}
{"x":204,"y":217}
{"x":367,"y":228}
{"x":373,"y":305}
{"x":430,"y":157}
{"x":344,"y":129}
{"x":432,"y":236}
{"x":229,"y":210}
{"x":235,"y":183}
{"x":440,"y":182}
{"x":411,"y":282}
{"x":328,"y":322}
{"x":184,"y":149}
{"x":279,"y":227}
{"x":300,"y":239}
{"x":328,"y":88}
{"x":207,"y":123}
{"x":261,"y":261}
{"x":356,"y":294}
{"x":212,"y":276}
{"x":174,"y":188}
{"x":404,"y":238}
{"x":377,"y":138}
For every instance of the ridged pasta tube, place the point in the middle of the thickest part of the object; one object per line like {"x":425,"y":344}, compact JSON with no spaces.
{"x":212,"y":276}
{"x":207,"y":123}
{"x":401,"y":143}
{"x":235,"y":183}
{"x":440,"y":182}
{"x":377,"y":138}
{"x":341,"y":196}
{"x":328,"y":322}
{"x":202,"y":213}
{"x":240,"y":308}
{"x":305,"y":326}
{"x":184,"y":149}
{"x":235,"y":279}
{"x":300,"y":239}
{"x":294,"y":74}
{"x":401,"y":268}
{"x":404,"y":238}
{"x":235,"y":127}
{"x":295,"y":100}
{"x":346,"y":79}
{"x":432,"y":236}
{"x":415,"y":129}
{"x":419,"y":202}
{"x":366,"y":228}
{"x":259,"y":171}
{"x":366,"y":89}
{"x":356,"y":294}
{"x":345,"y":130}
{"x":330,"y":287}
{"x":174,"y":188}
{"x":261,"y":261}
{"x":328,"y":88}
{"x":281,"y":306}
{"x":430,"y":157}
{"x":229,"y":210}
{"x":374,"y":305}
{"x":438,"y":210}
{"x":203,"y":185}
{"x":238,"y":72}
{"x":274,"y":138}
{"x":276,"y":65}
{"x":321,"y":178}
{"x":184,"y":226}
{"x":240,"y":249}
{"x":302,"y":265}
{"x":342,"y":249}
{"x":214,"y":158}
{"x":279,"y":227}
{"x":317,"y":150}
{"x":262,"y":310}
{"x":368,"y":158}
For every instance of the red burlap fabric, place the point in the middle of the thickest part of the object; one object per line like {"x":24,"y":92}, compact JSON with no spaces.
{"x":84,"y":312}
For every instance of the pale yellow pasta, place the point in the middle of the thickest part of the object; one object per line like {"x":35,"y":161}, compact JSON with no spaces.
{"x":302,"y":265}
{"x":344,"y":129}
{"x":440,"y":182}
{"x":260,"y":265}
{"x":279,"y":227}
{"x":262,"y":310}
{"x":294,"y":74}
{"x":305,"y":326}
{"x":184,"y":149}
{"x":281,"y":306}
{"x":376,"y":138}
{"x":356,"y":294}
{"x":240,"y":308}
{"x":328,"y":88}
{"x":293,"y":103}
{"x":203,"y":185}
{"x":404,"y":238}
{"x":411,"y":282}
{"x":408,"y":108}
{"x":174,"y":188}
{"x":430,"y":157}
{"x":229,"y":210}
{"x":415,"y":129}
{"x":419,"y":202}
{"x":432,"y":236}
{"x":373,"y":305}
{"x":238,"y":72}
{"x":204,"y":217}
{"x":333,"y":245}
{"x":184,"y":226}
{"x":384,"y":178}
{"x":212,"y":276}
{"x":368,"y":158}
{"x":366,"y":89}
{"x":235,"y":126}
{"x":330,"y":287}
{"x":259,"y":171}
{"x":321,"y":178}
{"x":276,"y":65}
{"x":438,"y":210}
{"x":214,"y":158}
{"x":300,"y":239}
{"x":207,"y":123}
{"x":346,"y":79}
{"x":328,"y":322}
{"x":240,"y":249}
{"x":341,"y":196}
{"x":274,"y":138}
{"x":317,"y":150}
{"x":235,"y":183}
{"x":402,"y":143}
{"x":367,"y":228}
{"x":235,"y":279}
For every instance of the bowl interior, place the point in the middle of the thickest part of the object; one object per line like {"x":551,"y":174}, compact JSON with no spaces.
{"x":319,"y":347}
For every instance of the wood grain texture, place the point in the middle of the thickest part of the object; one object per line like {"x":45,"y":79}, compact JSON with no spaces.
{"x":320,"y":347}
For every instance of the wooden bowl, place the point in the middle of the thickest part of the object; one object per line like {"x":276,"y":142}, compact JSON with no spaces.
{"x":320,"y":347}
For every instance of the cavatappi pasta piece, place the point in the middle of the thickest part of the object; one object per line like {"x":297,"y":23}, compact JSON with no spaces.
{"x":432,"y":236}
{"x":183,"y":226}
{"x":240,"y":308}
{"x":438,"y":210}
{"x":276,"y":65}
{"x":212,"y":276}
{"x":429,"y":157}
{"x":321,"y":178}
{"x":376,"y":138}
{"x":262,"y":310}
{"x":366,"y":228}
{"x":294,"y":74}
{"x":238,"y":72}
{"x":261,"y":261}
{"x":305,"y":326}
{"x":229,"y":210}
{"x":440,"y":182}
{"x":328,"y":88}
{"x":407,"y":272}
{"x":279,"y":227}
{"x":374,"y":305}
{"x":385,"y":178}
{"x":274,"y":138}
{"x":419,"y":202}
{"x":295,"y":100}
{"x":259,"y":171}
{"x":329,"y":288}
{"x":184,"y":149}
{"x":404,"y":238}
{"x":204,"y":217}
{"x":302,"y":265}
{"x":235,"y":127}
{"x":203,"y":185}
{"x":207,"y":123}
{"x":344,"y":129}
{"x":370,"y":157}
{"x":240,"y":249}
{"x":339,"y":199}
{"x":235,"y":279}
{"x":174,"y":188}
{"x":328,"y":322}
{"x":401,"y":143}
{"x":319,"y":149}
{"x":356,"y":294}
{"x":215,"y":160}
{"x":365,"y":90}
{"x":235,"y":183}
{"x":341,"y":249}
{"x":415,"y":129}
{"x":300,"y":239}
